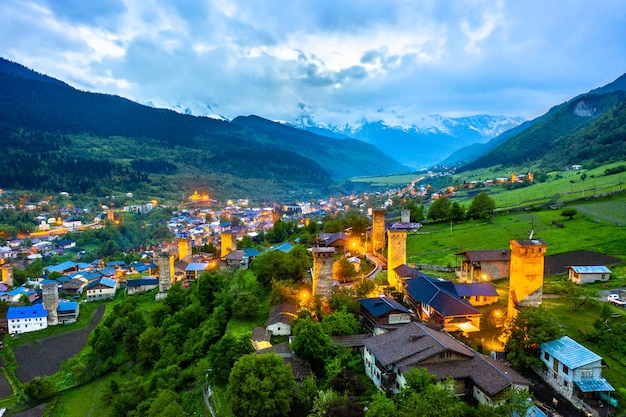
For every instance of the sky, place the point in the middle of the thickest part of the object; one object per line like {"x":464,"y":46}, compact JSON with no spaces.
{"x":340,"y":61}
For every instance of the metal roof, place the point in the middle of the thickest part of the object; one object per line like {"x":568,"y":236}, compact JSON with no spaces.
{"x":593,"y":385}
{"x":591,"y":269}
{"x":476,"y":289}
{"x":379,"y":306}
{"x":197,"y":267}
{"x":24,"y":312}
{"x":569,"y":352}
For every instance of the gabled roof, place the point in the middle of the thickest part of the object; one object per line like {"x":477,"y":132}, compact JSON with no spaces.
{"x":197,"y":267}
{"x":26,"y":312}
{"x":486,"y":255}
{"x":404,"y":271}
{"x":475,"y":289}
{"x":379,"y":306}
{"x":236,"y":255}
{"x":108,"y":272}
{"x":115,"y":263}
{"x":283,"y":247}
{"x":591,"y":269}
{"x":64,"y":266}
{"x":142,"y":281}
{"x":108,"y":282}
{"x":67,"y":306}
{"x":411,"y":345}
{"x":282,"y":313}
{"x":251,"y":252}
{"x":439,"y":294}
{"x":569,"y":352}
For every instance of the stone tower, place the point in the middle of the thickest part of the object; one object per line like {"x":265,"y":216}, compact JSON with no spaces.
{"x":166,"y":271}
{"x":405,"y":216}
{"x":378,"y":229}
{"x":50,"y":295}
{"x":275,"y":215}
{"x":526,"y":275}
{"x":396,"y":255}
{"x":323,"y":272}
{"x":7,"y":274}
{"x":198,"y":241}
{"x":184,"y":248}
{"x":228,"y":243}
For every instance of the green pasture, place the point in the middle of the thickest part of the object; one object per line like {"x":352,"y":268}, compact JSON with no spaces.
{"x":389,"y":180}
{"x":437,"y":243}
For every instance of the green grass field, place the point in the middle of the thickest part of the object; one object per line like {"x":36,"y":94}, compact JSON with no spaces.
{"x":589,"y":230}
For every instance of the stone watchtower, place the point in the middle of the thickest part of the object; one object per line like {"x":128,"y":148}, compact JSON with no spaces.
{"x":184,"y":248}
{"x":7,"y":274}
{"x":227,"y":243}
{"x":166,"y":272}
{"x":50,"y":295}
{"x":323,"y":272}
{"x":526,"y":276}
{"x":378,"y":229}
{"x":396,"y":255}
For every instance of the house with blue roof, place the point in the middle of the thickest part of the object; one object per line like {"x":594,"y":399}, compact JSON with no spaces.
{"x":143,"y":284}
{"x":590,"y":273}
{"x":67,"y":311}
{"x":62,"y":268}
{"x":101,"y":289}
{"x":25,"y":319}
{"x":194,"y":269}
{"x":573,"y":371}
{"x":283,"y":247}
{"x":436,"y":301}
{"x":381,"y":314}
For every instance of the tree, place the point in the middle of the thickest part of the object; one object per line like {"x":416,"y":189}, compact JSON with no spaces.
{"x":439,"y":209}
{"x":579,"y":294}
{"x":223,"y":354}
{"x":260,"y":386}
{"x":456,"y":212}
{"x":424,"y":397}
{"x":40,"y":388}
{"x":532,"y":327}
{"x":381,"y":406}
{"x":343,"y":270}
{"x":310,"y":342}
{"x":340,"y":323}
{"x":365,"y":287}
{"x":569,"y":212}
{"x":416,"y":211}
{"x":481,"y":207}
{"x":245,"y":305}
{"x":166,"y":404}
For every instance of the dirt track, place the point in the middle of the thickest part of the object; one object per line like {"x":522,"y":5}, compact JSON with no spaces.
{"x":45,"y":357}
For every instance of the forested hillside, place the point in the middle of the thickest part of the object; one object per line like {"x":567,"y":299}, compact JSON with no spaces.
{"x":56,"y":138}
{"x":587,"y":130}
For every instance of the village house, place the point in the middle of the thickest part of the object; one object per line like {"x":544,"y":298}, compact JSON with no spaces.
{"x":67,"y":312}
{"x":389,"y":356}
{"x":381,"y":314}
{"x":101,"y":289}
{"x":585,"y":274}
{"x":193,"y":270}
{"x":280,"y":319}
{"x":436,"y":301}
{"x":483,"y":265}
{"x":25,"y":319}
{"x":574,"y":371}
{"x":143,"y":284}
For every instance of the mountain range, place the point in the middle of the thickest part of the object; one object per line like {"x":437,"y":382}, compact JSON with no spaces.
{"x":417,"y":146}
{"x":56,"y":138}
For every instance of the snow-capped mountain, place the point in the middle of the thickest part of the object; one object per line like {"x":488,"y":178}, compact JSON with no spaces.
{"x":418,"y":146}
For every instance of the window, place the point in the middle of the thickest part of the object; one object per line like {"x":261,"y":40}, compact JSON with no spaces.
{"x":546,"y":356}
{"x":586,"y":373}
{"x":565,"y":369}
{"x":565,"y":383}
{"x":445,"y":354}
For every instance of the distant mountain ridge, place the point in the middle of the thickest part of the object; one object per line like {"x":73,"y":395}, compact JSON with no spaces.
{"x":589,"y":129}
{"x":55,"y":138}
{"x":418,"y":146}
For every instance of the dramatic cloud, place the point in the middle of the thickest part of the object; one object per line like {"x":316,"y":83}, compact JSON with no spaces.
{"x":338,"y":61}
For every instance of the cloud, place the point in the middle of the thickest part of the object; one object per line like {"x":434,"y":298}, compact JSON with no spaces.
{"x":339,"y":61}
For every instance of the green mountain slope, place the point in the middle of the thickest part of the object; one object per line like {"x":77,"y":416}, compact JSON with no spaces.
{"x":585,"y":130}
{"x":57,"y":138}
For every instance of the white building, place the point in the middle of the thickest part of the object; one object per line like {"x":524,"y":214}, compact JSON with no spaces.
{"x":585,"y":274}
{"x":27,"y":319}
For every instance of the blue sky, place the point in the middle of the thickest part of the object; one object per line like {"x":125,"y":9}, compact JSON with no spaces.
{"x":340,"y":61}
